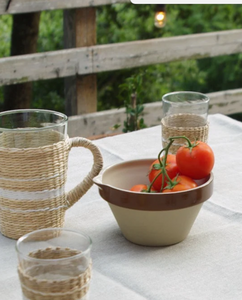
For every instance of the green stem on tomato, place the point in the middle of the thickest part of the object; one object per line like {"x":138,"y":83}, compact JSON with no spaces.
{"x":163,"y":163}
{"x":190,"y":144}
{"x":164,"y":172}
{"x":163,"y":168}
{"x":151,"y":184}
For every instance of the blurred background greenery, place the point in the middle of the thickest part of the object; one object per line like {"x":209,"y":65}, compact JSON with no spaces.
{"x":127,"y":22}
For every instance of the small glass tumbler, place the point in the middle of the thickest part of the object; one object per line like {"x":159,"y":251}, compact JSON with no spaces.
{"x":184,"y":114}
{"x":54,"y":263}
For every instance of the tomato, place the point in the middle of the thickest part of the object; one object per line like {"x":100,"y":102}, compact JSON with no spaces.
{"x":155,"y":168}
{"x":183,"y":183}
{"x":141,"y":188}
{"x":197,"y":161}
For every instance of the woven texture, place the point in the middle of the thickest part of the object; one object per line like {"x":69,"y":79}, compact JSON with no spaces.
{"x":55,"y":281}
{"x":32,"y":181}
{"x":191,"y":126}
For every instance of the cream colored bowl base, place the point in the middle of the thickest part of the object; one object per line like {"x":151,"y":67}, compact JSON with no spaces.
{"x":155,"y":228}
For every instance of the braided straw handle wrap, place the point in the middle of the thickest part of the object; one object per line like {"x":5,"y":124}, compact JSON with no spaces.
{"x":77,"y":192}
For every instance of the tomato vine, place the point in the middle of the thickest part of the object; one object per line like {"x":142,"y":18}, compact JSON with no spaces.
{"x":196,"y":156}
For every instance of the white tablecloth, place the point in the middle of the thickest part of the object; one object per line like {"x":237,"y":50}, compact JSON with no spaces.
{"x":206,"y":265}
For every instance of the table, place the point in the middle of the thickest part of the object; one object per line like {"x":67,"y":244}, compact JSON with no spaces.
{"x":206,"y":265}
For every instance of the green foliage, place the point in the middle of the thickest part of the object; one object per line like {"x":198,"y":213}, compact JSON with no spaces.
{"x":136,"y":23}
{"x":49,"y":94}
{"x":5,"y":42}
{"x":129,"y":92}
{"x":127,"y":22}
{"x":124,"y":22}
{"x":51,"y":31}
{"x":5,"y":35}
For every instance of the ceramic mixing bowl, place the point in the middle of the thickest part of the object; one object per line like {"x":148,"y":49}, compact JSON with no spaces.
{"x":150,"y":219}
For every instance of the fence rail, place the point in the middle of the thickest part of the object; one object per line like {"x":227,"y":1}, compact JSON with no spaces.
{"x":100,"y":58}
{"x":27,"y":6}
{"x":94,"y":124}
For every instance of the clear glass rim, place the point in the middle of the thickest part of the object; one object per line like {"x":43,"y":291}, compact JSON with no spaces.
{"x":29,"y":258}
{"x":33,"y":110}
{"x":204,"y":96}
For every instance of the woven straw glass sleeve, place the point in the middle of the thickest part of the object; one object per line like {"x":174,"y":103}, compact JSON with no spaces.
{"x":183,"y":125}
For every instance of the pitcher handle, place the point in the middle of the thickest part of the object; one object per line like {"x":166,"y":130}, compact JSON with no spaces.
{"x":77,"y":192}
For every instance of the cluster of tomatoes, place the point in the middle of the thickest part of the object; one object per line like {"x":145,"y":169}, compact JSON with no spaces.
{"x":178,"y":172}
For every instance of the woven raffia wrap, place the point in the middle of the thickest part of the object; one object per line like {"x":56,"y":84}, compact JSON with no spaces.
{"x":32,"y":181}
{"x":191,"y":126}
{"x":56,"y":281}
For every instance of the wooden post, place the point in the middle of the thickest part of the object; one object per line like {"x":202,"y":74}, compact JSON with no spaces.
{"x":25,"y":31}
{"x":80,"y":31}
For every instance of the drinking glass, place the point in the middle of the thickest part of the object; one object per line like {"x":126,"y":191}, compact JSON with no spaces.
{"x":184,"y":114}
{"x":54,"y":263}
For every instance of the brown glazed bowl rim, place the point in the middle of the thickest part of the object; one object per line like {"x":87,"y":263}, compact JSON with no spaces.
{"x":152,"y":201}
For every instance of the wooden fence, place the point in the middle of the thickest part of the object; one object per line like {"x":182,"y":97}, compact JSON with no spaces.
{"x":99,"y":123}
{"x":82,"y":61}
